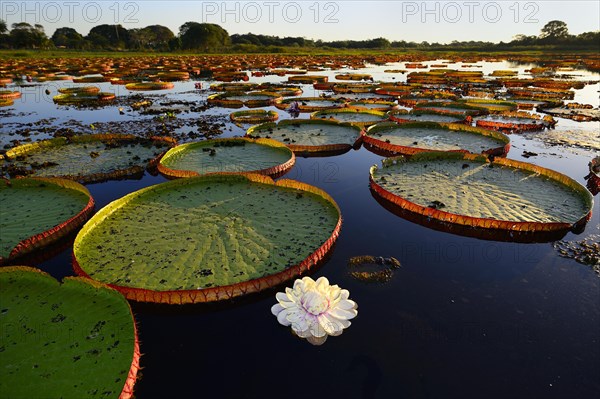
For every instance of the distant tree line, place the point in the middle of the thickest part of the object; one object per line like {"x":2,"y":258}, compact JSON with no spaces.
{"x":205,"y":37}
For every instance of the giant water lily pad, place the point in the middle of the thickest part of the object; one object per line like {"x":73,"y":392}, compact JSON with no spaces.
{"x":515,"y":121}
{"x":450,"y":108}
{"x":207,"y":238}
{"x":86,"y":158}
{"x":404,"y":116}
{"x":254,"y":116}
{"x":491,"y":105}
{"x":375,"y":105}
{"x":469,"y":190}
{"x":309,"y":135}
{"x":237,"y":100}
{"x":355,"y":116}
{"x":71,"y":340}
{"x":310,"y":104}
{"x":84,"y":98}
{"x":37,"y":212}
{"x":233,"y":155}
{"x":143,"y":86}
{"x":411,"y":138}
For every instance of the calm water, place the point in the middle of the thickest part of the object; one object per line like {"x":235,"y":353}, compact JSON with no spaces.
{"x":462,"y":318}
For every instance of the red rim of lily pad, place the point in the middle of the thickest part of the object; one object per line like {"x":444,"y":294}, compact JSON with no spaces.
{"x":273,"y":171}
{"x":96,"y":177}
{"x":313,"y":150}
{"x":254,"y":116}
{"x":334,"y":103}
{"x":486,"y":228}
{"x":149,"y":86}
{"x":329,"y":114}
{"x":388,"y":149}
{"x":132,"y":375}
{"x":52,"y":235}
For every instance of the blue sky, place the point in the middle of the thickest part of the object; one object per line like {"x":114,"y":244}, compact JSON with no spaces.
{"x":432,"y":21}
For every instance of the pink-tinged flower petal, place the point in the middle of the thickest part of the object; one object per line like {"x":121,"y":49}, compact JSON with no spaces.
{"x":276,"y":309}
{"x":291,"y":294}
{"x":341,"y":325}
{"x":303,"y":333}
{"x":335,"y":293}
{"x":282,"y":297}
{"x":341,"y":313}
{"x":296,"y":315}
{"x":317,"y":340}
{"x":282,"y":318}
{"x":298,"y":285}
{"x":315,"y":309}
{"x":346,"y":304}
{"x":330,"y":324}
{"x":317,"y":330}
{"x":322,"y":284}
{"x":307,"y":283}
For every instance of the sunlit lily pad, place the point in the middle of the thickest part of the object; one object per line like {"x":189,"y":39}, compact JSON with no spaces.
{"x":411,"y":138}
{"x":308,"y":79}
{"x":79,"y":90}
{"x":353,"y":76}
{"x":83,"y":98}
{"x":580,"y":114}
{"x":491,"y":105}
{"x":207,"y":238}
{"x":38,"y":212}
{"x":86,"y":158}
{"x":253,"y":116}
{"x":9,"y":94}
{"x":515,"y":121}
{"x":237,"y":100}
{"x":451,"y":108}
{"x":353,"y":88}
{"x":309,"y":135}
{"x":233,"y":155}
{"x":375,"y":105}
{"x":469,"y":190}
{"x":404,"y":116}
{"x":310,"y":104}
{"x":239,"y":87}
{"x":355,"y":116}
{"x":72,"y":340}
{"x":147,"y":86}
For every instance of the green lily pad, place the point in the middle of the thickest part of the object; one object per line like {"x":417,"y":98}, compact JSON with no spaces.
{"x":409,"y":138}
{"x":251,"y":99}
{"x":351,"y":115}
{"x":450,"y":108}
{"x":470,"y":190}
{"x":375,"y":105}
{"x":403,"y":116}
{"x":71,"y":340}
{"x":232,"y":155}
{"x":491,"y":105}
{"x":254,"y":116}
{"x":207,"y":238}
{"x":83,"y":98}
{"x":309,"y":135}
{"x":85,"y":158}
{"x":310,"y":104}
{"x":37,"y":212}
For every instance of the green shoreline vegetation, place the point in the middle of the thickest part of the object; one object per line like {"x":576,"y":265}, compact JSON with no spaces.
{"x":25,"y":40}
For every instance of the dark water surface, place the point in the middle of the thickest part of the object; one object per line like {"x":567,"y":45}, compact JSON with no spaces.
{"x":462,"y":318}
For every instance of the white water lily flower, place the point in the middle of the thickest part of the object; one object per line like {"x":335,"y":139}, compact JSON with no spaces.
{"x":315,"y":309}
